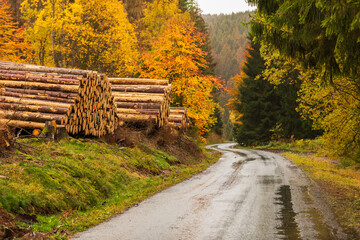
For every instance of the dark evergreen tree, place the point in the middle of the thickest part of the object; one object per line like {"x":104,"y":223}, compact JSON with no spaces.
{"x":289,"y":120}
{"x":258,"y":102}
{"x":269,"y":111}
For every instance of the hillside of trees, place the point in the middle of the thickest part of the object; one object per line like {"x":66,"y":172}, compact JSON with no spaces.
{"x":311,"y":50}
{"x":228,"y":40}
{"x":163,"y":39}
{"x":228,"y":35}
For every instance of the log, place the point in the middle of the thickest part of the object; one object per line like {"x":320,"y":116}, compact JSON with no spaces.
{"x":42,"y":92}
{"x":6,"y":99}
{"x":34,"y":68}
{"x":175,"y":120}
{"x":32,"y":108}
{"x":42,"y":86}
{"x":28,"y":96}
{"x":138,"y":81}
{"x":139,"y":99}
{"x":25,"y":77}
{"x":136,"y":117}
{"x":30,"y":116}
{"x":138,"y":105}
{"x":44,"y":74}
{"x":139,"y":89}
{"x":22,"y":124}
{"x":139,"y":111}
{"x":135,"y":94}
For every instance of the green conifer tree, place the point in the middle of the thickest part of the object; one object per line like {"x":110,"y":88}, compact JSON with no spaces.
{"x":258,"y":101}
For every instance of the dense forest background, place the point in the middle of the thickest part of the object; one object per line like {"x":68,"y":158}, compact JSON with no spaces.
{"x":228,"y":35}
{"x":159,"y":39}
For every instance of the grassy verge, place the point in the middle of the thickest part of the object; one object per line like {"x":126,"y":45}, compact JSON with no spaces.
{"x":341,"y":185}
{"x":65,"y":187}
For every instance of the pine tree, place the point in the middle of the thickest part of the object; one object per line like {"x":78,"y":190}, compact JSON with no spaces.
{"x":257,"y":101}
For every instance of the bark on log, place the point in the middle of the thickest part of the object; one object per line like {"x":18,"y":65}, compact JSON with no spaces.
{"x":43,"y":74}
{"x":6,"y":99}
{"x":34,"y":68}
{"x":32,"y":108}
{"x":40,"y":86}
{"x":138,"y":105}
{"x":139,"y":89}
{"x":31,"y":116}
{"x":139,"y":111}
{"x":28,"y":96}
{"x":138,"y":81}
{"x":24,"y":77}
{"x":136,"y":117}
{"x":42,"y":92}
{"x":22,"y":124}
{"x":139,"y":99}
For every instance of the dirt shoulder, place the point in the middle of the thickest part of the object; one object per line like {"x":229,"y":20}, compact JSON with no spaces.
{"x":339,"y":186}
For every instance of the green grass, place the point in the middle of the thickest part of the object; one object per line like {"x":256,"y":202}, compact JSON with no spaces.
{"x":74,"y":184}
{"x":296,"y":145}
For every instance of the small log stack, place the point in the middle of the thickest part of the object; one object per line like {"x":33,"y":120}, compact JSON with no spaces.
{"x":179,"y":118}
{"x":80,"y":100}
{"x":142,"y":100}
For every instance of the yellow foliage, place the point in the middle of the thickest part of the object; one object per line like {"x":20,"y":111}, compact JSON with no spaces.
{"x":234,"y":102}
{"x":156,"y":15}
{"x":335,"y":109}
{"x":84,"y":34}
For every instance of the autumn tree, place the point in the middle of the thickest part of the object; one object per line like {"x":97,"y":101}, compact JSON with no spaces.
{"x":174,"y":52}
{"x":83,"y":34}
{"x":12,"y":43}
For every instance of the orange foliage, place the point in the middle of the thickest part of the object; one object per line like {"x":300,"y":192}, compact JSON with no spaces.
{"x":176,"y":55}
{"x":12,"y":43}
{"x":234,"y":102}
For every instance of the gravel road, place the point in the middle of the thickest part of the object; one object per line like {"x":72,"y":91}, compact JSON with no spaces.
{"x":247,"y":194}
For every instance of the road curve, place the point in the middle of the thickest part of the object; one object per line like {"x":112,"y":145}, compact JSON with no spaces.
{"x":247,"y":194}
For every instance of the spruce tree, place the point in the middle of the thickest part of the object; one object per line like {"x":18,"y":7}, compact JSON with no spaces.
{"x":258,"y":101}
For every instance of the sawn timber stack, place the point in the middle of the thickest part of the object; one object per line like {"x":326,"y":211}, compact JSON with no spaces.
{"x":179,"y":118}
{"x":81,"y":100}
{"x":141,"y":100}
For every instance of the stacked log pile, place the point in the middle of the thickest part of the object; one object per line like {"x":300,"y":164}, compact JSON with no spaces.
{"x":179,"y":118}
{"x":142,"y":100}
{"x":80,"y":100}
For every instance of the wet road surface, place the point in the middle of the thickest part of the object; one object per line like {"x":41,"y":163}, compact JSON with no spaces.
{"x":247,"y":194}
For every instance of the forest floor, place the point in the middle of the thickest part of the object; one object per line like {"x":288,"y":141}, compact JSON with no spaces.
{"x":53,"y":189}
{"x":338,"y":179}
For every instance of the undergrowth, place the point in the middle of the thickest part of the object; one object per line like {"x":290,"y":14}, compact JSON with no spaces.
{"x":73,"y":184}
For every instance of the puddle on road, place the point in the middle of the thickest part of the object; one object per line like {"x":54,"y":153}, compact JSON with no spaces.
{"x":268,"y":180}
{"x":289,"y":228}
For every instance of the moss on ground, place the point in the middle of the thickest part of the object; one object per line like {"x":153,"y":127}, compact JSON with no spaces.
{"x":71,"y":185}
